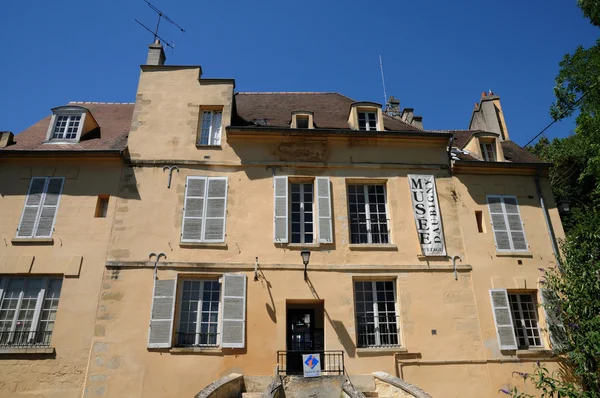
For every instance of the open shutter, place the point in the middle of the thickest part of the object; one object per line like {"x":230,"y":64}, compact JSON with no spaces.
{"x":216,"y":208}
{"x":556,"y":328}
{"x":499,"y":223}
{"x":233,"y":324}
{"x":324,"y":210}
{"x":280,"y":216}
{"x":49,"y":207}
{"x":32,"y":207}
{"x":503,"y":319}
{"x":193,"y":209}
{"x":161,"y":318}
{"x":515,"y":225}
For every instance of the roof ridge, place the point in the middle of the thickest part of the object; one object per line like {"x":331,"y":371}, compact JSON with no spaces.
{"x":101,"y":103}
{"x":287,"y":92}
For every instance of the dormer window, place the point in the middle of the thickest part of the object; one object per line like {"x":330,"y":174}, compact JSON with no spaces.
{"x":302,"y":120}
{"x":71,"y":124}
{"x":367,"y":121}
{"x":488,"y":151}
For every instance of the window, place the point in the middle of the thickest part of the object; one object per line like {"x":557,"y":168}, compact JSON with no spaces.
{"x":367,"y":121}
{"x":376,"y":315}
{"x":199,"y":313}
{"x":210,"y":133}
{"x":28,"y":310}
{"x":102,"y":206}
{"x":488,"y":151}
{"x":302,"y":122}
{"x":66,"y":127}
{"x":479,"y":219}
{"x":41,"y":206}
{"x":508,"y":228}
{"x":368,"y":214}
{"x":204,"y":210}
{"x":301,"y":213}
{"x":524,"y":313}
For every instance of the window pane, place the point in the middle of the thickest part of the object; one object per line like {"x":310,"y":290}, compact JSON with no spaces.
{"x":203,"y":296}
{"x":377,"y":323}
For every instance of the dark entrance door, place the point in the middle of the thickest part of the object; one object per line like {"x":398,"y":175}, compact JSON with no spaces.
{"x":302,"y":338}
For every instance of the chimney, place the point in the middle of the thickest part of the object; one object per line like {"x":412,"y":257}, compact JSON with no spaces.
{"x":156,"y":54}
{"x":407,"y":115}
{"x":488,"y":116}
{"x":417,"y":121}
{"x":6,"y":138}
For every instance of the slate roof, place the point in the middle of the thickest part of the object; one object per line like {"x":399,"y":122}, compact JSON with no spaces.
{"x":512,"y":151}
{"x":330,"y":110}
{"x":114,"y":120}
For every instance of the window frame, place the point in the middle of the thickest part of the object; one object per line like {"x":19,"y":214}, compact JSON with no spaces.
{"x":211,"y":134}
{"x":55,"y":119}
{"x":505,"y":215}
{"x":36,"y":319}
{"x":486,"y":148}
{"x":376,"y":325}
{"x":179,"y":303}
{"x":521,"y":311}
{"x":302,"y":213}
{"x":366,"y":112}
{"x":40,"y":207}
{"x":368,"y":213}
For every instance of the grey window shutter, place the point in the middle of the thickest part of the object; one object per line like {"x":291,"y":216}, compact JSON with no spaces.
{"x":556,"y":328}
{"x":503,"y":319}
{"x":216,"y":207}
{"x":32,"y":207}
{"x":49,"y":207}
{"x":515,"y":225}
{"x":280,"y":216}
{"x":499,"y":226}
{"x":193,"y":210}
{"x":161,"y":319}
{"x":233,"y":320}
{"x":324,"y":210}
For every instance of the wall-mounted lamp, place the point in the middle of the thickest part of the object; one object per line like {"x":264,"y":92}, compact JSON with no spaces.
{"x":563,"y":206}
{"x":305,"y":253}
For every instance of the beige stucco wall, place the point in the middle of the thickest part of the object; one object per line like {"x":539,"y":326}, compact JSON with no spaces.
{"x":78,"y":253}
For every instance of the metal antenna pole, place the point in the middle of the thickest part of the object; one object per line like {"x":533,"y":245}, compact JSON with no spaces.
{"x":161,"y":15}
{"x":383,"y":80}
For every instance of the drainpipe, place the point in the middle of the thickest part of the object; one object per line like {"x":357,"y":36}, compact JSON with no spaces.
{"x":547,"y":218}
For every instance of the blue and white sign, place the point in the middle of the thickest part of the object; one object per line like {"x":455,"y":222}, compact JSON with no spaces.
{"x":312,"y":365}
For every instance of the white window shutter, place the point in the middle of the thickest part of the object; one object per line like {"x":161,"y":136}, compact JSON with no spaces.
{"x":216,"y":209}
{"x":233,"y":320}
{"x":556,"y":328}
{"x":499,"y":226}
{"x":33,"y":202}
{"x":515,"y":225}
{"x":160,"y":332}
{"x":49,"y":207}
{"x":324,"y":210}
{"x":193,"y":210}
{"x":503,"y":319}
{"x":280,"y":206}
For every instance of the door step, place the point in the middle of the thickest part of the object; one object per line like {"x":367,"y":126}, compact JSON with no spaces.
{"x":252,"y":394}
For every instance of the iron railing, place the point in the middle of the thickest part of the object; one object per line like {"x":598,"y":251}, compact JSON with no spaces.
{"x":22,"y":338}
{"x":377,"y":229}
{"x":196,"y":339}
{"x":377,"y":331}
{"x":290,"y":362}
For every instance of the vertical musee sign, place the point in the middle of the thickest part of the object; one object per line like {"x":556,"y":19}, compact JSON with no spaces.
{"x":428,"y":219}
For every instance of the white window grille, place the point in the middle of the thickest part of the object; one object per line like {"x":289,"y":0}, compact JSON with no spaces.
{"x":488,"y":151}
{"x":524,"y":313}
{"x":301,"y":213}
{"x":368,"y":214}
{"x":28,"y":310}
{"x":367,"y":121}
{"x":66,"y":127}
{"x":199,"y":313}
{"x":376,"y":314}
{"x":210,"y":133}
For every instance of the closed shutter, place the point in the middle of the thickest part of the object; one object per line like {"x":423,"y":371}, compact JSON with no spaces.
{"x":324,"y":210}
{"x":161,"y":318}
{"x":49,"y":208}
{"x":280,"y":216}
{"x":503,"y":319}
{"x":216,"y":207}
{"x":556,"y":328}
{"x":233,"y":324}
{"x":32,"y":207}
{"x":506,"y":223}
{"x":193,"y":209}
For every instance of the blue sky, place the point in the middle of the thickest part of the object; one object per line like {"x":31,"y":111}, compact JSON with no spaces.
{"x":438,"y":55}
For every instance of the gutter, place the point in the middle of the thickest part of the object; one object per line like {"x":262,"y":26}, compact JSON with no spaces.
{"x":67,"y":153}
{"x":286,"y":131}
{"x":480,"y":163}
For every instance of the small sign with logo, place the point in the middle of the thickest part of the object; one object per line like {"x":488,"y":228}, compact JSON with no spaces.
{"x":312,"y":365}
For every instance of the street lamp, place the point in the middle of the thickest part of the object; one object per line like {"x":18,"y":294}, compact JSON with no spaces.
{"x":305,"y":253}
{"x":563,"y":206}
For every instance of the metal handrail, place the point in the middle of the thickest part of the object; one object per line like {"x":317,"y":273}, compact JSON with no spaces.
{"x":25,"y":338}
{"x":289,"y":362}
{"x":184,"y":339}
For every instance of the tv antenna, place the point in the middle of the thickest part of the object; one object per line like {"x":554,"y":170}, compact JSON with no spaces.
{"x":383,"y":80}
{"x":155,"y":32}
